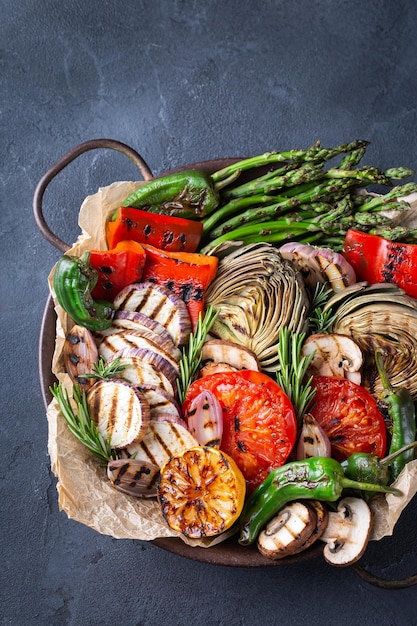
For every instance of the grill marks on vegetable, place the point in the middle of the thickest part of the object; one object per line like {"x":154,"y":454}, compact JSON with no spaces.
{"x":153,"y":309}
{"x":120,"y":412}
{"x":395,"y":256}
{"x":142,"y":471}
{"x":162,"y":440}
{"x":161,"y":305}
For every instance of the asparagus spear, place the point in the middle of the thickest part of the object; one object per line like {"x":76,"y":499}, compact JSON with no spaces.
{"x":315,"y":153}
{"x":366,"y":175}
{"x":329,"y":190}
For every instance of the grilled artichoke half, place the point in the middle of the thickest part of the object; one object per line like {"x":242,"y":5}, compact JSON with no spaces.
{"x":257,"y":293}
{"x":380,"y":317}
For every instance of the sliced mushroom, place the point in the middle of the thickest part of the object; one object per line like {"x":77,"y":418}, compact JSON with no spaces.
{"x":215,"y":368}
{"x":221,"y":355}
{"x":288,"y":531}
{"x":334,"y":355}
{"x":322,"y":518}
{"x":347,"y":532}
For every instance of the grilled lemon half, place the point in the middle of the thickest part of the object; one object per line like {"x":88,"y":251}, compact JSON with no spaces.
{"x":201,"y":492}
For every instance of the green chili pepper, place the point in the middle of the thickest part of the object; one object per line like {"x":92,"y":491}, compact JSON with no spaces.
{"x":74,"y":280}
{"x":318,"y":478}
{"x":369,"y":468}
{"x":191,"y":194}
{"x":402,"y":412}
{"x":366,"y":467}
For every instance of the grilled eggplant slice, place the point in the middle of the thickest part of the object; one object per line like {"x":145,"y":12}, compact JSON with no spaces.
{"x":80,"y":353}
{"x":136,"y":478}
{"x":139,"y":371}
{"x":153,"y":357}
{"x":120,"y":412}
{"x":160,"y":402}
{"x":128,"y":340}
{"x":159,"y":304}
{"x":138,"y":323}
{"x":163,"y":439}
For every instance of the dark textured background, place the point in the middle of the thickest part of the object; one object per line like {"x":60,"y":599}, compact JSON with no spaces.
{"x":179,"y":81}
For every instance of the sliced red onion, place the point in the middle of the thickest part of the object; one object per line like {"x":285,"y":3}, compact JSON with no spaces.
{"x":338,"y":271}
{"x":313,"y":440}
{"x":319,"y":265}
{"x":302,"y":257}
{"x":205,"y":419}
{"x":134,"y":477}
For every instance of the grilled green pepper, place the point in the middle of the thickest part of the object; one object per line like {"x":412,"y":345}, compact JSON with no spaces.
{"x":191,"y":194}
{"x":74,"y":280}
{"x":402,"y":412}
{"x":318,"y":478}
{"x":366,"y":467}
{"x":369,"y":468}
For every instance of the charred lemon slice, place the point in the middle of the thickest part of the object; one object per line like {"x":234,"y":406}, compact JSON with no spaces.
{"x":201,"y":492}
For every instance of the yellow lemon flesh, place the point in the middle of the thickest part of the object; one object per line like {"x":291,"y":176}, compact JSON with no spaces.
{"x":201,"y":492}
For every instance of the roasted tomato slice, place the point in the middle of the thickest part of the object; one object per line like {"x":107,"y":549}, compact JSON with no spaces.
{"x":349,"y":415}
{"x":259,"y":421}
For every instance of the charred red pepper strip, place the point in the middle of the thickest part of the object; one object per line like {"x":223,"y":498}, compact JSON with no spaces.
{"x":117,"y":268}
{"x":186,"y":274}
{"x":378,"y":260}
{"x":175,"y":234}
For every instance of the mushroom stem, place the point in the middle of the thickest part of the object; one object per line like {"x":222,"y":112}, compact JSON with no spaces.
{"x":347,"y":532}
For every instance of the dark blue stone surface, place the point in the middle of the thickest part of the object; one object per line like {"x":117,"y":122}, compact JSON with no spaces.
{"x":179,"y":81}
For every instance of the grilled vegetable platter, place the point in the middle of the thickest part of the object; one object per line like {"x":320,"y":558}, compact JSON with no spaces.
{"x":236,"y":356}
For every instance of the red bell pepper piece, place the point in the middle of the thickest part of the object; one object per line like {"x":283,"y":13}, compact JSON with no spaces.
{"x":378,"y":260}
{"x":186,"y":274}
{"x":165,"y":232}
{"x":117,"y":268}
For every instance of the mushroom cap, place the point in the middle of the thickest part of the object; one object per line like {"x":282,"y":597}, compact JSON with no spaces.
{"x":230,"y":353}
{"x":347,"y":532}
{"x":288,"y":532}
{"x":334,"y":355}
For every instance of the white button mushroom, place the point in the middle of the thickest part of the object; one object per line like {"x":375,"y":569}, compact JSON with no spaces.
{"x":347,"y":532}
{"x":334,"y":355}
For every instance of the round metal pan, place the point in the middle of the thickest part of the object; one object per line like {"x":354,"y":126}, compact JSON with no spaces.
{"x":228,"y":553}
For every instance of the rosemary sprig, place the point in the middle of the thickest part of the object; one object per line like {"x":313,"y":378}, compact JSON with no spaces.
{"x":320,"y":321}
{"x":191,"y":354}
{"x":291,"y":375}
{"x":102,"y":370}
{"x":80,"y":423}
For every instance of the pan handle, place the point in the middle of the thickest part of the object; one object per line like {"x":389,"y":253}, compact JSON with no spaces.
{"x":70,"y":156}
{"x":383,"y":583}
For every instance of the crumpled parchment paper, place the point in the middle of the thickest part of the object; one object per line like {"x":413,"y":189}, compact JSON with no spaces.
{"x":84,"y":492}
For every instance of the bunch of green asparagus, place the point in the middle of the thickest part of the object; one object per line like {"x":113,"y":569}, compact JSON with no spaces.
{"x":303,"y":197}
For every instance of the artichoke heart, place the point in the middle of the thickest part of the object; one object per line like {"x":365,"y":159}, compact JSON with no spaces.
{"x":257,"y":292}
{"x":381,"y":317}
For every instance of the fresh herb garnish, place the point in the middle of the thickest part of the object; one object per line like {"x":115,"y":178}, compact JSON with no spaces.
{"x":291,"y":375}
{"x":191,"y":354}
{"x":102,"y":370}
{"x":80,"y":423}
{"x":320,"y":321}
